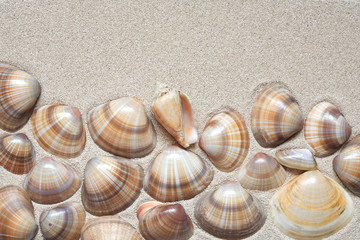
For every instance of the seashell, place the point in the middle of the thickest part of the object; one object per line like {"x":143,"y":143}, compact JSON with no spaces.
{"x":108,"y":228}
{"x":225,"y":140}
{"x":63,"y":222}
{"x":275,"y":117}
{"x":110,"y":185}
{"x":262,"y":172}
{"x":19,"y":92}
{"x":326,"y":129}
{"x":301,"y":159}
{"x":164,"y":221}
{"x":311,"y":206}
{"x":16,"y":153}
{"x":121,"y":127}
{"x":17,"y":220}
{"x":177,"y":174}
{"x":230,"y":212}
{"x":173,"y":111}
{"x":59,"y":130}
{"x":51,"y":182}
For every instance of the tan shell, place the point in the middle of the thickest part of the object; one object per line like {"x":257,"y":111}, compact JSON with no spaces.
{"x":301,"y":159}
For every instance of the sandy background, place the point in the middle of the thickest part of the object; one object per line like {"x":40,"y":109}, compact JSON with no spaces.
{"x":219,"y":53}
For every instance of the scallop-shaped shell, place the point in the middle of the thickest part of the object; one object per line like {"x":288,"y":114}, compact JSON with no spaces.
{"x":16,"y":153}
{"x":121,"y":127}
{"x":51,"y":182}
{"x":177,"y":174}
{"x":275,"y":117}
{"x":17,"y":220}
{"x":19,"y":92}
{"x":326,"y":129}
{"x":59,"y":130}
{"x":225,"y":140}
{"x":164,"y":221}
{"x":173,"y":111}
{"x":63,"y":222}
{"x":108,"y":228}
{"x":311,"y":206}
{"x":111,"y":184}
{"x":301,"y":159}
{"x":230,"y":212}
{"x":262,"y":172}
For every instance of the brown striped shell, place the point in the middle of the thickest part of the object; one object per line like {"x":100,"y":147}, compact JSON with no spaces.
{"x":301,"y":159}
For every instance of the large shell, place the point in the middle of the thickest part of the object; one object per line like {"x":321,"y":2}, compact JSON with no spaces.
{"x":230,"y":212}
{"x":122,"y":127}
{"x":59,"y":130}
{"x":177,"y":174}
{"x":301,"y":159}
{"x":19,"y":92}
{"x":225,"y":140}
{"x":17,"y":220}
{"x":262,"y":172}
{"x":63,"y":222}
{"x":326,"y":129}
{"x":110,"y":185}
{"x":51,"y":182}
{"x":311,"y":206}
{"x":275,"y":117}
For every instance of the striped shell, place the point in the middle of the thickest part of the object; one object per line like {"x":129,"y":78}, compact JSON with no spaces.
{"x":111,"y":184}
{"x":121,"y":127}
{"x":326,"y":129}
{"x":301,"y":159}
{"x":311,"y":206}
{"x":177,"y":174}
{"x":230,"y":212}
{"x":225,"y":140}
{"x":59,"y":130}
{"x":275,"y":117}
{"x":262,"y":172}
{"x":51,"y":182}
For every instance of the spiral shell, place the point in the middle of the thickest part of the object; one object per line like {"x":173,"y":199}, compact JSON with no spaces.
{"x":177,"y":174}
{"x":59,"y":130}
{"x":301,"y":159}
{"x":225,"y":140}
{"x":121,"y":127}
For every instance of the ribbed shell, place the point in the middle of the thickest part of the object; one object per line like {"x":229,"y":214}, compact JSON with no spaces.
{"x":225,"y":140}
{"x":301,"y":159}
{"x":111,"y":184}
{"x":177,"y":174}
{"x":122,"y":128}
{"x":59,"y":130}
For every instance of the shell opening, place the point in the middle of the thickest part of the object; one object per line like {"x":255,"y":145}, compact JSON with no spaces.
{"x":190,"y":132}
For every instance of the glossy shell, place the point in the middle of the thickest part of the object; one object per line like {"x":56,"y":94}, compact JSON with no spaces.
{"x":301,"y":159}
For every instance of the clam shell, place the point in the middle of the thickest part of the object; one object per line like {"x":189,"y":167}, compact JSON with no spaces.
{"x":121,"y":127}
{"x":225,"y":140}
{"x":262,"y":172}
{"x":59,"y":130}
{"x":51,"y":182}
{"x":63,"y":222}
{"x":230,"y":212}
{"x":275,"y":117}
{"x":301,"y":159}
{"x":110,"y":185}
{"x":326,"y":129}
{"x":177,"y":174}
{"x":311,"y":206}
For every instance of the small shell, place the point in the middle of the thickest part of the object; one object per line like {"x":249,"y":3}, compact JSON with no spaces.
{"x":225,"y":140}
{"x":326,"y":129}
{"x":59,"y":130}
{"x":230,"y":212}
{"x":111,"y":185}
{"x":311,"y":206}
{"x":301,"y":159}
{"x":176,"y":174}
{"x":262,"y":172}
{"x":16,"y":153}
{"x":173,"y":111}
{"x":164,"y":221}
{"x":51,"y":182}
{"x":275,"y":117}
{"x":121,"y":127}
{"x":63,"y":222}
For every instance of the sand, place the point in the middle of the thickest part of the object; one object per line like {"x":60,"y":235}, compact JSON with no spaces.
{"x":220,"y":53}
